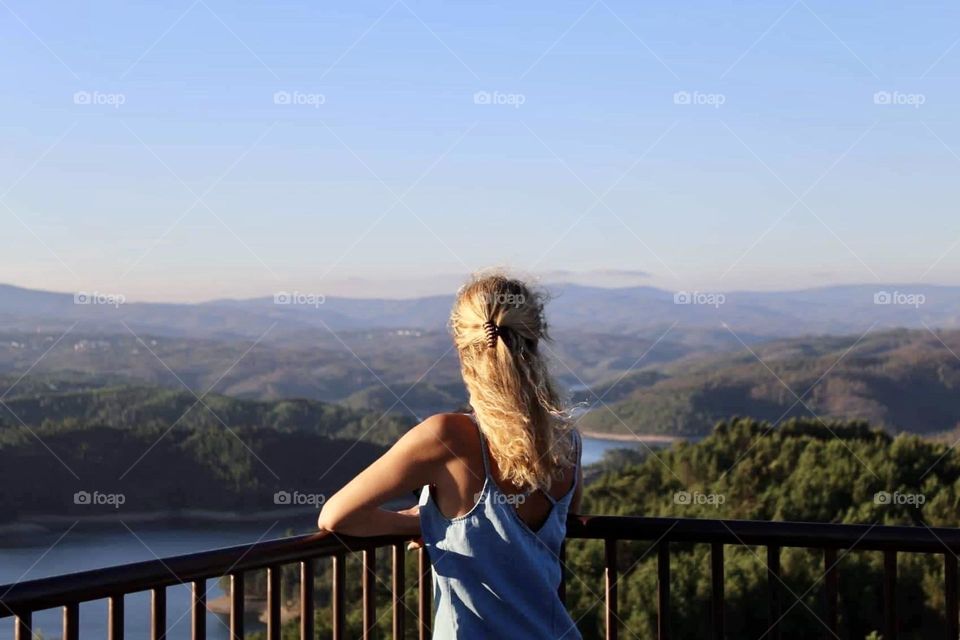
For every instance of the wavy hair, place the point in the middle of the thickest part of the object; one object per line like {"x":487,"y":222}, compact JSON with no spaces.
{"x":518,"y":408}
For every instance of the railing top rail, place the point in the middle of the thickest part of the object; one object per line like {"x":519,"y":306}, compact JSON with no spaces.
{"x":45,"y":593}
{"x":814,"y":535}
{"x":55,"y":591}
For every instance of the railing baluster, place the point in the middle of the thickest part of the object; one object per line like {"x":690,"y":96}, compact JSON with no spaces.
{"x":610,"y":588}
{"x":663,"y":590}
{"x":273,"y":602}
{"x":831,"y":589}
{"x":115,"y":617}
{"x":424,"y":593}
{"x":158,"y":613}
{"x":236,"y":606}
{"x":71,"y":622}
{"x":773,"y":590}
{"x":23,"y":626}
{"x":562,"y":589}
{"x":890,"y":595}
{"x":397,"y":586}
{"x":368,"y":585}
{"x":950,"y":594}
{"x":339,"y":576}
{"x":306,"y":600}
{"x":716,"y":584}
{"x":198,"y":610}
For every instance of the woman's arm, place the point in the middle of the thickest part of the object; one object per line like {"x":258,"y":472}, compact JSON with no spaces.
{"x":411,"y":463}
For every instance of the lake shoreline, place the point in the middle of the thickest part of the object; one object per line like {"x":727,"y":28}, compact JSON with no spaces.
{"x":632,"y":437}
{"x":50,"y":523}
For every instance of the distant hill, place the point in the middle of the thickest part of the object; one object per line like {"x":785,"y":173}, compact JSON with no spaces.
{"x":349,"y":367}
{"x":899,"y":380}
{"x":133,"y":408}
{"x":421,"y":398}
{"x":631,"y":310}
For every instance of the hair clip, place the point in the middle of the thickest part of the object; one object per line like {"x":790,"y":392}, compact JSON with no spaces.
{"x":492,"y":331}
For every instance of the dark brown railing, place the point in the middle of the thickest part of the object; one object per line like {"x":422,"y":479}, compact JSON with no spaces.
{"x":21,"y":600}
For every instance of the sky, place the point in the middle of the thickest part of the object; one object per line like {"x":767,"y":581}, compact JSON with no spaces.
{"x":206,"y":149}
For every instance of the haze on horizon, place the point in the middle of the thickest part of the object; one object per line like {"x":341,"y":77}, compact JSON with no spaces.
{"x":208,"y":150}
{"x":446,"y":284}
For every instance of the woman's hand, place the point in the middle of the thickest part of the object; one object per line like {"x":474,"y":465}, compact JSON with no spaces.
{"x":413,"y":511}
{"x":321,"y":529}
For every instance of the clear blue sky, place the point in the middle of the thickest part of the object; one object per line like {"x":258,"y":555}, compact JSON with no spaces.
{"x":96,"y":195}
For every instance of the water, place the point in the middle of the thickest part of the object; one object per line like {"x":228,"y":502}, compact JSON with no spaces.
{"x":594,"y":448}
{"x":90,"y":547}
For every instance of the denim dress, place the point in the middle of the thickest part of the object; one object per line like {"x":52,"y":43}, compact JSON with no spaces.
{"x":493,"y":576}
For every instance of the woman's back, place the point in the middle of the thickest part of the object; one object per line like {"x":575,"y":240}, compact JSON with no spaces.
{"x":495,"y":490}
{"x":496,"y":567}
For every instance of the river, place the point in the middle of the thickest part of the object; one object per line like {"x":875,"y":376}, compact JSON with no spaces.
{"x":90,"y":547}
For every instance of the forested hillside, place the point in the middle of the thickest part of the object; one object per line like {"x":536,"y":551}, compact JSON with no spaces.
{"x":898,"y":380}
{"x":163,"y":450}
{"x":801,"y":472}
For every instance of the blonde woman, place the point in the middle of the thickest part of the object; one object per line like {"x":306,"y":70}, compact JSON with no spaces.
{"x":497,"y":484}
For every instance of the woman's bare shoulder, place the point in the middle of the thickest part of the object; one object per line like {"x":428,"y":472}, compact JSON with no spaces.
{"x":454,"y":433}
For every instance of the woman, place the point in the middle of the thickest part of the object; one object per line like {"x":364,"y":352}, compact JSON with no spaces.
{"x":497,"y":484}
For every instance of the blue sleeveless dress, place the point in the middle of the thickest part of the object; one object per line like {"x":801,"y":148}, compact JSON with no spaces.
{"x":494,"y":576}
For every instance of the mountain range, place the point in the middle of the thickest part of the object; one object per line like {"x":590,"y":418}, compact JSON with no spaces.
{"x":643,"y":310}
{"x":662,"y":362}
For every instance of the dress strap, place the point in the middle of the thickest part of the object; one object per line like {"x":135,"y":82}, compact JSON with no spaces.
{"x":578,"y":449}
{"x":575,"y":436}
{"x":578,"y":446}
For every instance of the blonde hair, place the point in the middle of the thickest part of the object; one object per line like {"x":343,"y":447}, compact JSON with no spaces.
{"x":518,"y":408}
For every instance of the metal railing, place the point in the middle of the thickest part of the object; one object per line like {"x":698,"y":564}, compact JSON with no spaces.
{"x":22,"y":599}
